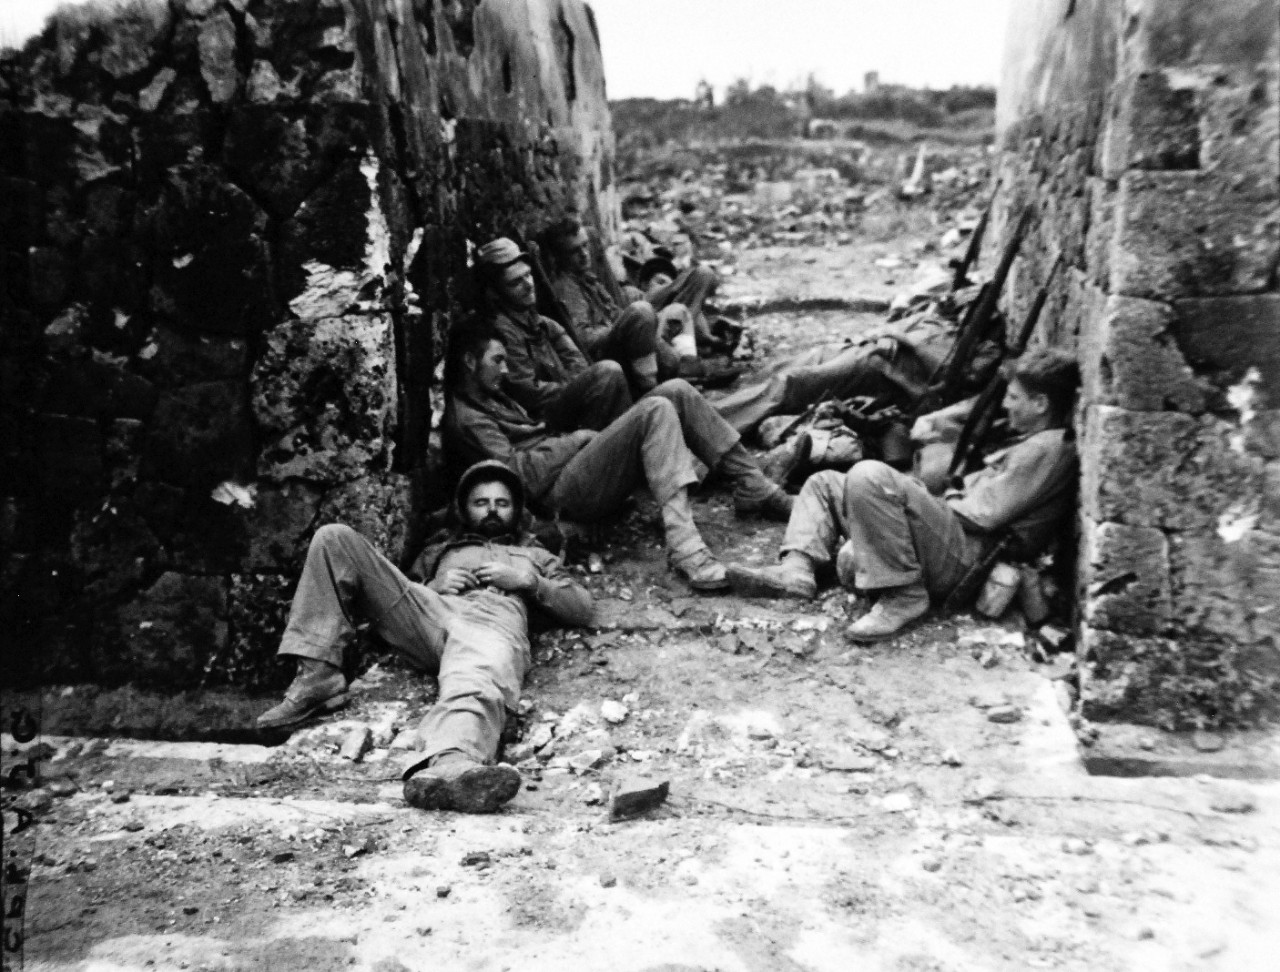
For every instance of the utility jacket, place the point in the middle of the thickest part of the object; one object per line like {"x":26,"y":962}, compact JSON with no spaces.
{"x":541,"y":357}
{"x":1028,"y":488}
{"x":496,"y":427}
{"x":555,"y":595}
{"x":590,"y":305}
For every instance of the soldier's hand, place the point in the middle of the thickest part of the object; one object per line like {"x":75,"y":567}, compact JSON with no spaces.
{"x":507,"y":578}
{"x":455,"y":580}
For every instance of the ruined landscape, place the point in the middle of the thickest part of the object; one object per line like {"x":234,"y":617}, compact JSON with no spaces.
{"x":236,"y":231}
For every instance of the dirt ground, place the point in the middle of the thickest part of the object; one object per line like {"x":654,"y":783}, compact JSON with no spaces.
{"x":914,"y":806}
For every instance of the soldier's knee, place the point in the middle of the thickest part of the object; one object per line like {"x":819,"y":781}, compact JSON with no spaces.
{"x":333,"y":535}
{"x":608,"y":372}
{"x":677,"y":390}
{"x":870,"y":474}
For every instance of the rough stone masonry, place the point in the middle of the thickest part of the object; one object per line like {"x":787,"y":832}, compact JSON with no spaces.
{"x":232,"y":232}
{"x":1147,"y":135}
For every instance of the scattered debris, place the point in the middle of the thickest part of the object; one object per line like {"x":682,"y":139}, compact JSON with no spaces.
{"x":356,"y":744}
{"x":634,"y":795}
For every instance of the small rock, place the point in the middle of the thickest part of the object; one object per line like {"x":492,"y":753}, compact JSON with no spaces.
{"x":189,"y":909}
{"x":1004,"y":714}
{"x":989,"y":658}
{"x":608,"y":880}
{"x":981,"y":790}
{"x":1074,"y":845}
{"x":1231,"y":799}
{"x":896,"y":802}
{"x":35,"y":801}
{"x":62,"y":788}
{"x":351,"y":850}
{"x":931,"y":864}
{"x":120,"y":796}
{"x":595,"y":563}
{"x":133,"y":825}
{"x":848,"y":763}
{"x":951,"y":758}
{"x":284,"y":857}
{"x":444,"y":890}
{"x":613,"y":712}
{"x":637,"y":794}
{"x":586,"y":760}
{"x":593,"y":794}
{"x":474,"y":858}
{"x":356,"y":744}
{"x":1207,"y":742}
{"x":1144,"y":934}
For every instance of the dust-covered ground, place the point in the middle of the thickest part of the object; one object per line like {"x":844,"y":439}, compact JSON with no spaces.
{"x":919,"y":805}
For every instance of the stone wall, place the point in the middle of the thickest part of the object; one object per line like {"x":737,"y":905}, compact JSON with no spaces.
{"x":1146,"y":136}
{"x":233,"y":233}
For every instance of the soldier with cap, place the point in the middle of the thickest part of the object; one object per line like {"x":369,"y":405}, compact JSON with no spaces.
{"x":549,"y":375}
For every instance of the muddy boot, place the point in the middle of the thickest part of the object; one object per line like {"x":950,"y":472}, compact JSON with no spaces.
{"x":787,"y":463}
{"x":753,"y":492}
{"x":791,"y":578}
{"x":896,"y":608}
{"x":687,"y":550}
{"x":316,"y":689}
{"x":454,"y":781}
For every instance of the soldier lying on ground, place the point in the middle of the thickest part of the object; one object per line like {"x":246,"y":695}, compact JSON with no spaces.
{"x":469,"y":625}
{"x":633,"y":335}
{"x":586,"y":476}
{"x":896,"y":360}
{"x":888,"y":536}
{"x":550,"y":376}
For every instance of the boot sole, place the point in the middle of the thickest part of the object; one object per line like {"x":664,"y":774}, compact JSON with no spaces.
{"x":750,"y":584}
{"x":869,"y":639}
{"x":331,"y":704}
{"x":480,"y":789}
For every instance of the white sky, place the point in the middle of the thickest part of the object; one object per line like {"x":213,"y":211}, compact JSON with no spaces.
{"x":662,"y":48}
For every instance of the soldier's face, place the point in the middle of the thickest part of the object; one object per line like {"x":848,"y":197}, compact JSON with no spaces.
{"x":576,"y":252}
{"x":1027,"y":412}
{"x":517,"y":285}
{"x":490,"y":509}
{"x":490,"y":369}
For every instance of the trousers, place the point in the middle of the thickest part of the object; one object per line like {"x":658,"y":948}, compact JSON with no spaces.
{"x":655,"y":442}
{"x":800,"y":381}
{"x":897,"y":532}
{"x":476,"y":644}
{"x":590,"y":400}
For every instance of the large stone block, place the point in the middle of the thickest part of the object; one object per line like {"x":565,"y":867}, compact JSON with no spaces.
{"x":217,"y":44}
{"x":70,"y":455}
{"x":1180,"y":683}
{"x":174,"y":358}
{"x":1240,"y":123}
{"x":1231,"y":335}
{"x":1186,"y":234}
{"x":279,"y":526}
{"x":113,"y":548}
{"x":200,"y":536}
{"x":1127,"y":578}
{"x":325,"y":399}
{"x":172,"y":632}
{"x":200,"y":435}
{"x":134,"y":39}
{"x":1162,"y":469}
{"x":1214,"y":577}
{"x":1155,"y":126}
{"x":378,"y":507}
{"x":211,"y":266}
{"x":1130,"y":360}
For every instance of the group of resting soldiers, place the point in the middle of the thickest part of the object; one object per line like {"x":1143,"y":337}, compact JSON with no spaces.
{"x":568,"y":423}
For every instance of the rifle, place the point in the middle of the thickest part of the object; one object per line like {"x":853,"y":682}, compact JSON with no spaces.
{"x":983,"y":415}
{"x":973,"y":249}
{"x":549,"y":303}
{"x":978,"y":317}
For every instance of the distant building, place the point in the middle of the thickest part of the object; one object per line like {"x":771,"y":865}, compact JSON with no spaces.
{"x":871,"y":82}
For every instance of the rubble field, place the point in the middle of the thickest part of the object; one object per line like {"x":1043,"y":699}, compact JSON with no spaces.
{"x":920,"y":805}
